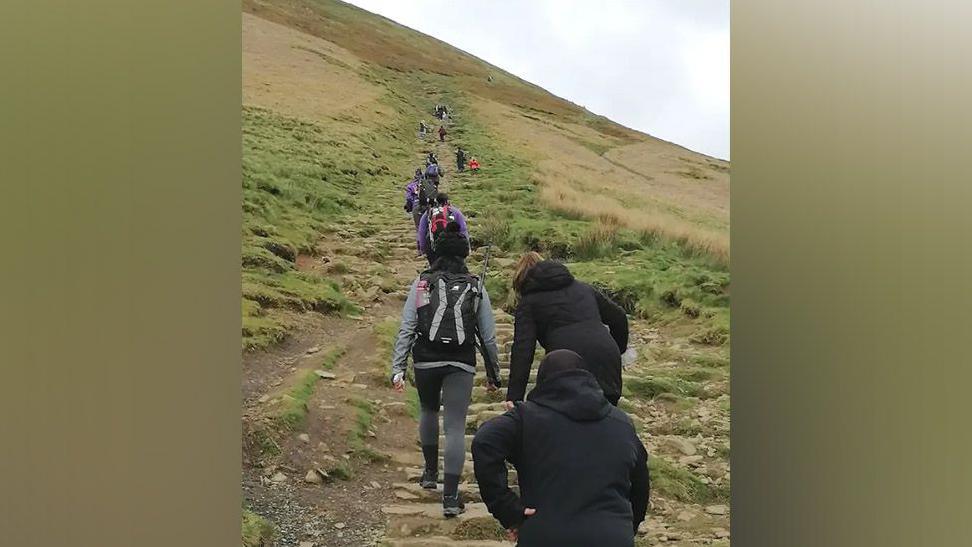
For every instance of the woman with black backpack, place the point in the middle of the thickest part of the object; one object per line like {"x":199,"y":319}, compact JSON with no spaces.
{"x":446,"y":310}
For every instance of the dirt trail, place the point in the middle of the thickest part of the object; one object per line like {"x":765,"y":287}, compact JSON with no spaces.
{"x":345,"y":474}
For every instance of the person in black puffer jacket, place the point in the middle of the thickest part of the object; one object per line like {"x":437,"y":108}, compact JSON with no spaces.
{"x":581,"y":468}
{"x":563,"y":313}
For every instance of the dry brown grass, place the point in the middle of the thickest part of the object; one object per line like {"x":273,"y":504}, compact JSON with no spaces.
{"x":655,"y":187}
{"x":303,"y":76}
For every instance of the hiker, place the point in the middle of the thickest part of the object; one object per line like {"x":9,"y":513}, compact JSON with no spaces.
{"x":431,"y":159}
{"x":428,"y":189}
{"x":442,"y":133}
{"x":460,"y":159}
{"x":412,"y":191}
{"x":433,"y":171}
{"x":422,"y":130}
{"x":562,"y":313}
{"x":581,"y":468}
{"x":443,"y":351}
{"x":474,"y":164}
{"x":435,"y":219}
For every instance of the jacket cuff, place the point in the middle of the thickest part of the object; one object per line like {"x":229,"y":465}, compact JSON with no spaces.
{"x":512,"y":515}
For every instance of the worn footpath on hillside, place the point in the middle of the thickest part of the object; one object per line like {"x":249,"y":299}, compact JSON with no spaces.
{"x":331,"y":454}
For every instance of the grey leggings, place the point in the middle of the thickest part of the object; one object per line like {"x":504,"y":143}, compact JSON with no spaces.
{"x":452,"y":387}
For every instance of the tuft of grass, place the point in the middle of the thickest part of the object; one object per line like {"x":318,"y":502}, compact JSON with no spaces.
{"x":600,"y":241}
{"x":681,"y":484}
{"x":256,"y":530}
{"x":364,"y":415}
{"x":342,"y":470}
{"x":291,"y":411}
{"x":331,"y":357}
{"x":653,"y":386}
{"x":483,"y":528}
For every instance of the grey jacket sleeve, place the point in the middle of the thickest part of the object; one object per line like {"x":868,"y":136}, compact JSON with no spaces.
{"x":487,"y":328}
{"x":406,"y":333}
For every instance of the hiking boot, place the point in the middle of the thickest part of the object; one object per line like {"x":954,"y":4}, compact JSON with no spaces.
{"x":453,"y":506}
{"x":429,"y":479}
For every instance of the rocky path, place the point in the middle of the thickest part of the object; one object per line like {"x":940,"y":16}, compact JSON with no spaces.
{"x":344,"y":473}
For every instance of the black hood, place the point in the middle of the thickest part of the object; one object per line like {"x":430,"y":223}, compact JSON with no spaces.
{"x":574,"y":393}
{"x":547,"y":276}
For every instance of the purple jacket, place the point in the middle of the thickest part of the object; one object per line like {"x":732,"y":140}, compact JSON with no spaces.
{"x":422,"y":234}
{"x":411,"y":194}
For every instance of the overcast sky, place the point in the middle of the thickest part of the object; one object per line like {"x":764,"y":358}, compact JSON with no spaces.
{"x":659,"y":66}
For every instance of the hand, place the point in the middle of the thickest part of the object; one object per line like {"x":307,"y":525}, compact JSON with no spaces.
{"x":509,"y":406}
{"x":399,"y":382}
{"x":490,"y":386}
{"x":512,"y":534}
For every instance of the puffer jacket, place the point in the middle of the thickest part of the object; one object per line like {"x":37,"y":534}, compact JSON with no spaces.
{"x":560,"y":312}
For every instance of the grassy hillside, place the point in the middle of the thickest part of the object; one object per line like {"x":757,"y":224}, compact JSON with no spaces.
{"x":332,"y":99}
{"x":332,"y":96}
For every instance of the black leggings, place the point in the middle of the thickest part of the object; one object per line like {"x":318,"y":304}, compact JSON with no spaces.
{"x":450,"y":387}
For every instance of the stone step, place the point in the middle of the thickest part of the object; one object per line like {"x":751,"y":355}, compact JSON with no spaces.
{"x":413,"y":474}
{"x":442,"y":541}
{"x":424,"y":520}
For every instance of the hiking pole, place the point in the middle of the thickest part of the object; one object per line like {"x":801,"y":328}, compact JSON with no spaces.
{"x":492,"y":369}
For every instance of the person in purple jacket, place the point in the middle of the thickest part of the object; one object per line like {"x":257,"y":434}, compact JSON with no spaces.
{"x":412,"y":191}
{"x":436,"y":219}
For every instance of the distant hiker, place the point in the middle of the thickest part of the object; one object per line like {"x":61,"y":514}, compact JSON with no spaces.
{"x":442,"y":133}
{"x":412,"y":191}
{"x":581,"y":468}
{"x":445,"y":309}
{"x":423,"y":129}
{"x":435,"y":221}
{"x":431,"y":159}
{"x":428,"y":190}
{"x":434,"y":172}
{"x":489,"y":78}
{"x":562,"y":313}
{"x":474,"y":164}
{"x":460,"y":159}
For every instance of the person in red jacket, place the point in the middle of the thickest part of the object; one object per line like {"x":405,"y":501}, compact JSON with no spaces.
{"x":474,"y":164}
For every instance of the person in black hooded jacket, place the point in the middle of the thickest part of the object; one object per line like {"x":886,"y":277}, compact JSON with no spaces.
{"x":560,"y":312}
{"x":582,"y":470}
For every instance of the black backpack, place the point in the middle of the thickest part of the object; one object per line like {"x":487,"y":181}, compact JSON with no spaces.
{"x":448,"y":309}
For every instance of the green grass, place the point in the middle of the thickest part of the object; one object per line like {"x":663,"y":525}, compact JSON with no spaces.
{"x":291,"y":411}
{"x":412,"y":402}
{"x":682,"y":484}
{"x":256,"y":530}
{"x":650,"y":387}
{"x":332,"y":356}
{"x":299,"y":178}
{"x":341,"y":470}
{"x":363,"y":418}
